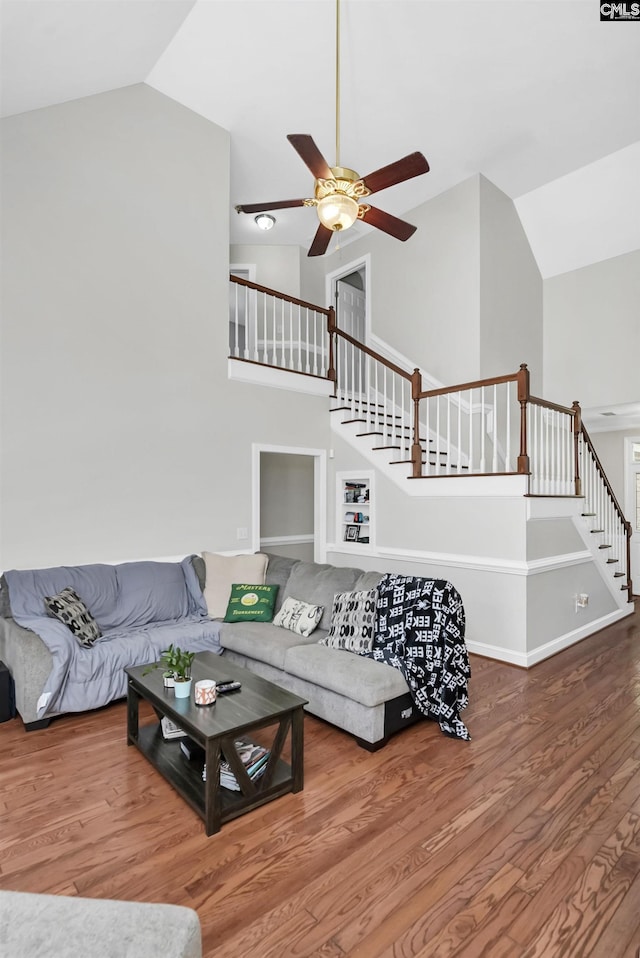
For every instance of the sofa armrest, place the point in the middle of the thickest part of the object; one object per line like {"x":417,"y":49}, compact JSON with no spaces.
{"x":29,"y":662}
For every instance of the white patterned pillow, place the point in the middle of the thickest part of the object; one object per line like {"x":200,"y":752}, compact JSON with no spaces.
{"x":353,"y":622}
{"x":68,"y":607}
{"x":298,"y":616}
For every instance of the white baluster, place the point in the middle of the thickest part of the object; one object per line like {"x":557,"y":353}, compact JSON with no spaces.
{"x":507,"y":455}
{"x":494,"y":461}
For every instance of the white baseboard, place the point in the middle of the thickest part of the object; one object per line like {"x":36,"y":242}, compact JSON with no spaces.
{"x":304,"y":539}
{"x":528,"y":659}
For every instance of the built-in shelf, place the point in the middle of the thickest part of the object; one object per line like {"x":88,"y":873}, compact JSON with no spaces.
{"x":355,"y":508}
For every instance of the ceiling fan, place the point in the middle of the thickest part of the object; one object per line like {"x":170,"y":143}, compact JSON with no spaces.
{"x":338,"y":190}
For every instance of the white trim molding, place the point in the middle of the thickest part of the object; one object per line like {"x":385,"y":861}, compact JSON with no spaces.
{"x":475,"y":563}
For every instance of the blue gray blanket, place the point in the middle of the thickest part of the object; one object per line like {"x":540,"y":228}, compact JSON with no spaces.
{"x":141,"y":608}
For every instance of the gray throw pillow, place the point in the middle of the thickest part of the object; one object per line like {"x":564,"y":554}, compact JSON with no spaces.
{"x":353,"y":622}
{"x":68,"y":607}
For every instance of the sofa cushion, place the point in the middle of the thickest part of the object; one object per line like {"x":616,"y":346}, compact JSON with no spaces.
{"x":356,"y":677}
{"x":353,"y":621}
{"x":96,"y":583}
{"x":223,"y":571}
{"x":151,"y":592}
{"x":262,"y":641}
{"x":68,"y":607}
{"x":367,"y":580}
{"x":60,"y":925}
{"x":278,"y":572}
{"x":251,"y":603}
{"x":317,"y":584}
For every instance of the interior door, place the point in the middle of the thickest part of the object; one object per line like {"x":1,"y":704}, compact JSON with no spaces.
{"x":350,"y":310}
{"x":350,"y":318}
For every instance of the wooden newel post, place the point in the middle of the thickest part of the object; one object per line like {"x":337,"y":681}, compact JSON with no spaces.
{"x":523,"y":398}
{"x":577,"y":429}
{"x":331,"y":330}
{"x":416,"y":448}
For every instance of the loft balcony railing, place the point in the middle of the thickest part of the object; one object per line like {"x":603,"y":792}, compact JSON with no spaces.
{"x":273,"y":329}
{"x":490,"y":427}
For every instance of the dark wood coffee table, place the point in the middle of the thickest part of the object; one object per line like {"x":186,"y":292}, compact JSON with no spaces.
{"x":258,"y":705}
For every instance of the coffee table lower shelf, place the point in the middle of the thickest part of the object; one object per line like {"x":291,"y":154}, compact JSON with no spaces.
{"x":185,"y":776}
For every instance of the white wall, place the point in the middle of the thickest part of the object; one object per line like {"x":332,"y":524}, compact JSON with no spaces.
{"x":277,"y":267}
{"x":121,"y":435}
{"x":611,"y":452}
{"x":592,"y":333}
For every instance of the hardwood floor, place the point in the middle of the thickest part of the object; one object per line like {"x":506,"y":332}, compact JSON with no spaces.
{"x":523,"y":843}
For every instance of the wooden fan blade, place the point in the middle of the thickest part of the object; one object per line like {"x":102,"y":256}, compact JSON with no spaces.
{"x":399,"y":229}
{"x":263,"y":207}
{"x":320,"y":241}
{"x":310,"y":154}
{"x":404,"y":169}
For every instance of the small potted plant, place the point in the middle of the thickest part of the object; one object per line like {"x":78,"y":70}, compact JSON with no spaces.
{"x":182,"y":673}
{"x":177,"y":670}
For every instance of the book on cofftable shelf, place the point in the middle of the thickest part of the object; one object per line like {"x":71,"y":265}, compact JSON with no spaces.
{"x":254,"y":758}
{"x":191,"y":750}
{"x":170,"y":730}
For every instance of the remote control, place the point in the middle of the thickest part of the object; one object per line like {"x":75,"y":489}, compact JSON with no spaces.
{"x":223,"y":687}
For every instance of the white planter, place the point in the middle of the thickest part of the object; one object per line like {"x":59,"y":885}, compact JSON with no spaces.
{"x":182,"y":689}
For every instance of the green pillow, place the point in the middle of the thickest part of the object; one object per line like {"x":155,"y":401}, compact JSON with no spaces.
{"x":251,"y":603}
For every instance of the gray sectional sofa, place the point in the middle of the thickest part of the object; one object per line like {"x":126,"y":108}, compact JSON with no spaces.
{"x":368,"y":699}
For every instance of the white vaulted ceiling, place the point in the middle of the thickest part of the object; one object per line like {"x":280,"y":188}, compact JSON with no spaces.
{"x":537,"y":95}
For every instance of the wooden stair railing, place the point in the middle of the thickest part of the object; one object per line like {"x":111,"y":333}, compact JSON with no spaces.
{"x":490,"y":427}
{"x":601,"y":504}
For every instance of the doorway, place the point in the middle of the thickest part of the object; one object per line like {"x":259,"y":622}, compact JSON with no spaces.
{"x":348,"y":292}
{"x":632,"y":503}
{"x":289,"y":501}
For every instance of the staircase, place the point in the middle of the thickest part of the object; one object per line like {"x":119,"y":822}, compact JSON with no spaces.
{"x":488,"y":430}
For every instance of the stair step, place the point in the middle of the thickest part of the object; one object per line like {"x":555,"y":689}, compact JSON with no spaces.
{"x":604,"y":547}
{"x":340,"y":409}
{"x":612,"y":561}
{"x":616,"y":575}
{"x":382,"y":448}
{"x":588,"y":513}
{"x":361,"y":434}
{"x":596,"y":531}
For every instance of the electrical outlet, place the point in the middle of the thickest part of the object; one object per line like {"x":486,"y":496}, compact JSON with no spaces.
{"x":241,"y":532}
{"x":582,"y":600}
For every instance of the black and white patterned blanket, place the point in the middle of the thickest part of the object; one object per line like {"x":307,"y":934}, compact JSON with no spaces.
{"x":420,"y":628}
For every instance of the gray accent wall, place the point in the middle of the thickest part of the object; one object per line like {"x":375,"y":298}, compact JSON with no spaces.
{"x":510,"y":291}
{"x":462,"y":298}
{"x":122,"y":436}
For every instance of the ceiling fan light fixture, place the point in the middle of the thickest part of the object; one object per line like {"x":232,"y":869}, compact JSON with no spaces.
{"x":337,"y":211}
{"x":264,"y":221}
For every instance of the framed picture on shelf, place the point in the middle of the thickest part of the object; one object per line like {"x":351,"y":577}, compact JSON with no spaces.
{"x":351,"y":533}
